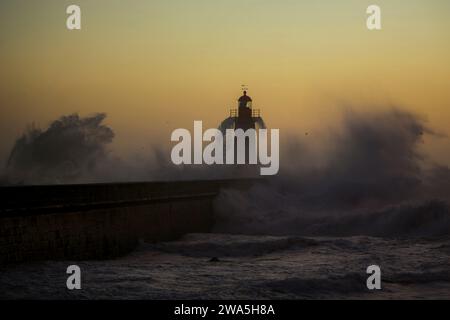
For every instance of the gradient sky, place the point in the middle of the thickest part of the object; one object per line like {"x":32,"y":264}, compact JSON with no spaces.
{"x":157,"y":65}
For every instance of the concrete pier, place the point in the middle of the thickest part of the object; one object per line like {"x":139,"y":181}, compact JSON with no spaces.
{"x":101,"y":221}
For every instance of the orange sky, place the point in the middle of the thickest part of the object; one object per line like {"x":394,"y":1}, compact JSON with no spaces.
{"x":154,"y":66}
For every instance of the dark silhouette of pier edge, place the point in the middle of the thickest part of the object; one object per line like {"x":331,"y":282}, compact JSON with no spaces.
{"x":101,"y":221}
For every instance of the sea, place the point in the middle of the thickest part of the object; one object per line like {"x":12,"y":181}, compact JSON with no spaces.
{"x":231,"y":266}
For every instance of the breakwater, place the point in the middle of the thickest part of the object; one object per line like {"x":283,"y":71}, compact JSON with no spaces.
{"x":101,"y":221}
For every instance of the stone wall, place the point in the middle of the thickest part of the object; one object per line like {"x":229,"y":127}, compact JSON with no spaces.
{"x":74,"y":222}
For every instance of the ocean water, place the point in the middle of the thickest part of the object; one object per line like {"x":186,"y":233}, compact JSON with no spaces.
{"x":226,"y":266}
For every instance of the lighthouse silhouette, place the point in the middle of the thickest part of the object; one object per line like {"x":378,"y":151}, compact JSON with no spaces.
{"x":245,"y":117}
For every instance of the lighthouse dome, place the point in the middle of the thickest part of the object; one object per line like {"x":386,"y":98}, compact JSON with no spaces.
{"x":245,"y":101}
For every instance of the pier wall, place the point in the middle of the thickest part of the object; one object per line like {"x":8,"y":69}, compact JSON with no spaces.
{"x":101,"y":221}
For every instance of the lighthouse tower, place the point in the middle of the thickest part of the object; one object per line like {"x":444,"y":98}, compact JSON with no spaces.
{"x":245,"y":117}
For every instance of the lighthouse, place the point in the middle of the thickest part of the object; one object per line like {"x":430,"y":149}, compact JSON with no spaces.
{"x":241,"y":142}
{"x":245,"y":117}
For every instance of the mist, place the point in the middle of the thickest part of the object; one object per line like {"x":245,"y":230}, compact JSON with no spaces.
{"x":365,"y":176}
{"x":68,"y":150}
{"x":77,"y":150}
